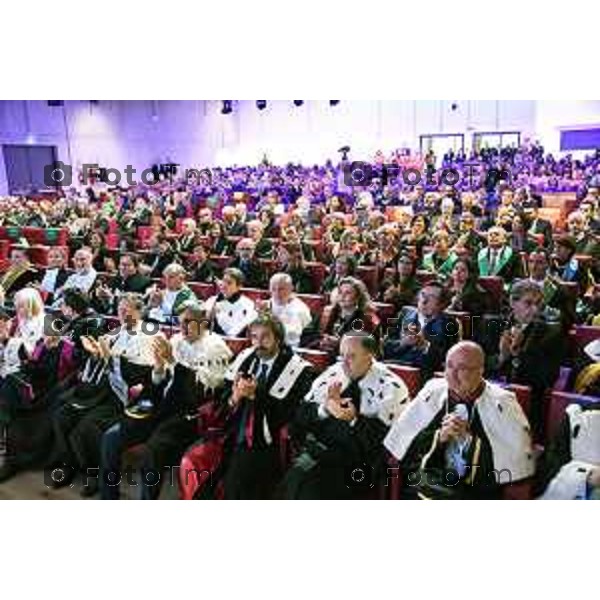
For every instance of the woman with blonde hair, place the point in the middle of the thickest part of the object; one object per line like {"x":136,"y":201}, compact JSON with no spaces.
{"x":35,"y":362}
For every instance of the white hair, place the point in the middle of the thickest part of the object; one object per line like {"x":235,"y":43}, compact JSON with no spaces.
{"x":281,"y":278}
{"x":31,"y":299}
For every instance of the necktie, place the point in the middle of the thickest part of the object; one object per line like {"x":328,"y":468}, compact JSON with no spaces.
{"x":246,"y":429}
{"x":353,"y":392}
{"x":493,"y":259}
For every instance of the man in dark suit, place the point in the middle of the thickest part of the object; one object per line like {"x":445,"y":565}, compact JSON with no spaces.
{"x":424,"y":334}
{"x":526,"y":349}
{"x":565,"y":266}
{"x":106,"y":297}
{"x":262,"y":390}
{"x":537,"y":226}
{"x":255,"y":275}
{"x":234,"y":226}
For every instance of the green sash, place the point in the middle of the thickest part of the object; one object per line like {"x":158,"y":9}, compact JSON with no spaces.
{"x":483,"y":259}
{"x":444,"y":269}
{"x":182,"y":297}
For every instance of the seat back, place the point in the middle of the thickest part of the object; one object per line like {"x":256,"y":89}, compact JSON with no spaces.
{"x":410,"y":375}
{"x":556,"y":408}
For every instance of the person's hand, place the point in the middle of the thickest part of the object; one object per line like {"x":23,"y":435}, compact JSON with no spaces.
{"x":163,"y":353}
{"x":347,"y":411}
{"x":453,"y":428}
{"x":334,"y":392}
{"x":506,"y":344}
{"x":51,"y":341}
{"x":594,"y":477}
{"x":90,"y":345}
{"x":4,"y":331}
{"x":156,"y":297}
{"x":517,"y":341}
{"x":243,"y":387}
{"x":144,"y":270}
{"x":419,"y":340}
{"x":103,"y":347}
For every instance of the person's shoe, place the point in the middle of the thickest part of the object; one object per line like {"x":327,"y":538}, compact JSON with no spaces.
{"x":7,"y":471}
{"x":89,"y":490}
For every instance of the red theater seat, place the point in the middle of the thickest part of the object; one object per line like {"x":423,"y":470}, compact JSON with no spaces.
{"x":256,"y":294}
{"x":236,"y":345}
{"x":221,"y":262}
{"x":369,"y":275}
{"x":584,"y":334}
{"x":203,"y":290}
{"x":317,"y":272}
{"x":494,"y":285}
{"x":320,"y":360}
{"x":315,"y":303}
{"x":410,"y":375}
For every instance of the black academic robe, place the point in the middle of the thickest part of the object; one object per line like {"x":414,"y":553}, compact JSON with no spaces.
{"x":330,"y":449}
{"x":250,"y":471}
{"x":432,"y":479}
{"x":87,"y":411}
{"x":136,"y":283}
{"x":158,"y":261}
{"x":303,"y":283}
{"x":536,"y":365}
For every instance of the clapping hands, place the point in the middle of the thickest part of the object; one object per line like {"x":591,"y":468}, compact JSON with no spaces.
{"x":338,"y":407}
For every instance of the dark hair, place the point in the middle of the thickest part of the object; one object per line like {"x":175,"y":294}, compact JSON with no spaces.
{"x":471,"y":267}
{"x":568,"y":242}
{"x":541,"y":251}
{"x":349,"y":260}
{"x":367,"y":341}
{"x":444,"y":292}
{"x":77,"y":300}
{"x":420,"y":216}
{"x":272,"y":323}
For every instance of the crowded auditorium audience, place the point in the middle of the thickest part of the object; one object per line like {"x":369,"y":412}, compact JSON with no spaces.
{"x":289,"y":331}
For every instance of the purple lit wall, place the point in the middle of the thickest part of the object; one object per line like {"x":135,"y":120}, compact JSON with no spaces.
{"x":195,"y":133}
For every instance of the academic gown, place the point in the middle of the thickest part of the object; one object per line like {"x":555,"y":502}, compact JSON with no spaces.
{"x":332,"y":449}
{"x":536,"y":365}
{"x":500,"y":451}
{"x":571,"y":455}
{"x":28,"y":397}
{"x":164,"y":420}
{"x":244,"y":459}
